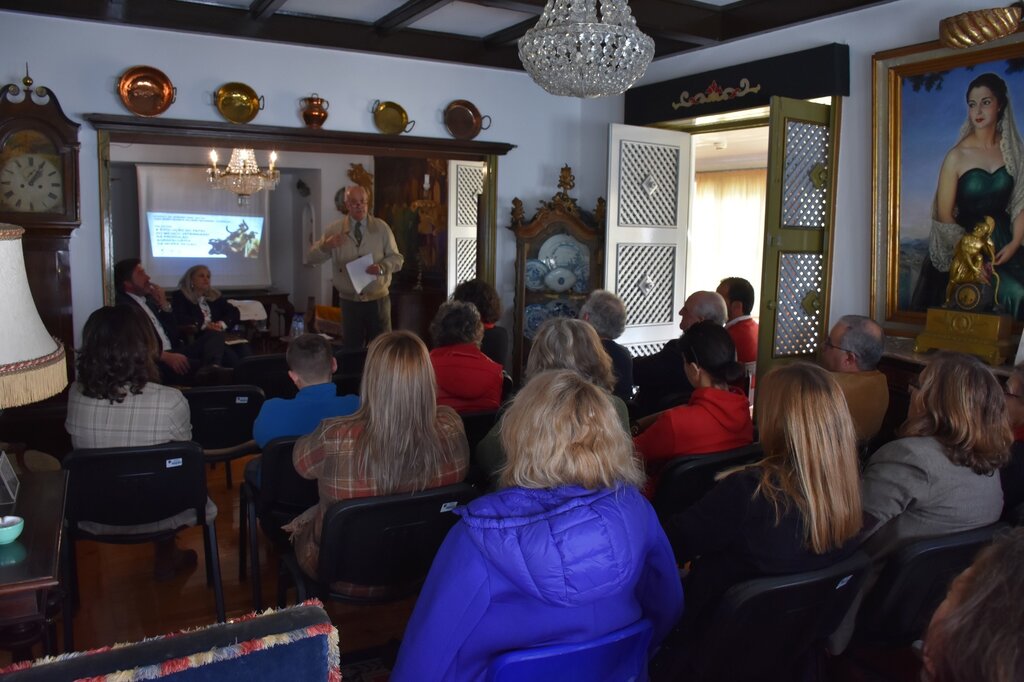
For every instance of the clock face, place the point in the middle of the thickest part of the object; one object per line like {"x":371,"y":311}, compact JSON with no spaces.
{"x":31,"y":183}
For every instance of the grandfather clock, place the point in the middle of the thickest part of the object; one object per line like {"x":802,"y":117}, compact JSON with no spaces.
{"x":39,"y":191}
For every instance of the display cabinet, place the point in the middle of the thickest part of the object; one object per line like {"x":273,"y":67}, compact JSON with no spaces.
{"x":559,"y":261}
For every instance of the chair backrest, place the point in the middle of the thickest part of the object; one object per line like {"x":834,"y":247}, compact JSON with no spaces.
{"x":222,"y":416}
{"x":388,"y":540}
{"x":762,"y":627}
{"x":281,"y":487}
{"x":684,"y":480}
{"x":477,"y":425}
{"x":616,"y":657}
{"x":350,"y":370}
{"x":269,"y":372}
{"x":914,"y":582}
{"x":135,"y":485}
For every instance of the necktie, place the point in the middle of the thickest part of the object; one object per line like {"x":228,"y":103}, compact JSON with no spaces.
{"x":358,"y":233}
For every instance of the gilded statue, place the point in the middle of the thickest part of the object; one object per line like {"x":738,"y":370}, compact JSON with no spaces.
{"x":968,"y":265}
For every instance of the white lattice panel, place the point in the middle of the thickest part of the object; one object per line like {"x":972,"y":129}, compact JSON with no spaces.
{"x":465,"y":259}
{"x":645,"y":282}
{"x":798,"y":309}
{"x":804,"y":204}
{"x":648,"y":184}
{"x":639,"y":350}
{"x":469,"y":182}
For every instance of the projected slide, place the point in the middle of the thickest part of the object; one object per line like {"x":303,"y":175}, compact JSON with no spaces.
{"x":192,"y":235}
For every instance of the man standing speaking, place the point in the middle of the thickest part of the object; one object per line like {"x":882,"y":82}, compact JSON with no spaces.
{"x":365,"y":312}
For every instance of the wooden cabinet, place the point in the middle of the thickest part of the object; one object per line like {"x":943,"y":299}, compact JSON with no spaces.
{"x":559,"y":261}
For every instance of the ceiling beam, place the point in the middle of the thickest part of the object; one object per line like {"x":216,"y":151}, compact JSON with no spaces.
{"x":409,"y":13}
{"x":513,"y":5}
{"x":512,"y":34}
{"x":261,"y":9}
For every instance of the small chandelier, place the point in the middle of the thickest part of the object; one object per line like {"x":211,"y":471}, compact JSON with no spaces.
{"x":571,"y":52}
{"x":243,"y":175}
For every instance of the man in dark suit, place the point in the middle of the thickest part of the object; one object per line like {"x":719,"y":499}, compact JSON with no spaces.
{"x":178,"y":361}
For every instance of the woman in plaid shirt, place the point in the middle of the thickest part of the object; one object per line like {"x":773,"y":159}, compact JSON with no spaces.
{"x":398,"y":441}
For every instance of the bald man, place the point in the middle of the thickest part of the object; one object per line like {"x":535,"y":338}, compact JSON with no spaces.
{"x":851,"y":353}
{"x":364,"y":314}
{"x":660,"y":378}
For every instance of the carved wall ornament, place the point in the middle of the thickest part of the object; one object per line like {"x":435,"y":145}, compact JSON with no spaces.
{"x":715,"y":93}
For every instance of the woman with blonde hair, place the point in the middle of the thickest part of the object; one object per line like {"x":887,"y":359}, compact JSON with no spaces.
{"x":566,"y":551}
{"x":560,"y":343}
{"x":399,"y":440}
{"x":797,"y":509}
{"x":940,"y":476}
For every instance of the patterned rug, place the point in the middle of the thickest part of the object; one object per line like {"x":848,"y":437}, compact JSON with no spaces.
{"x":369,"y":665}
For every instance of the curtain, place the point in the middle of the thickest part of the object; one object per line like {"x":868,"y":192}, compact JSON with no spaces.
{"x":726,"y":233}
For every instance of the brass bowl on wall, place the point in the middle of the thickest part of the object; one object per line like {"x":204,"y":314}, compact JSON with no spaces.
{"x":237,"y":102}
{"x":463,"y":120}
{"x":146,"y":91}
{"x":390,"y":118}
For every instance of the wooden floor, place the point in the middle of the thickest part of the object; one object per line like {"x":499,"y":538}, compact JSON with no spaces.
{"x":120,"y":602}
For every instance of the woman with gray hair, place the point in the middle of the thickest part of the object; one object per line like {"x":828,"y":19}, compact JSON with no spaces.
{"x":606,"y":313}
{"x":197,"y":304}
{"x":467,"y":380}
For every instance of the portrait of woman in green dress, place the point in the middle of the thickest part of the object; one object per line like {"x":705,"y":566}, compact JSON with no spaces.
{"x":979,"y":177}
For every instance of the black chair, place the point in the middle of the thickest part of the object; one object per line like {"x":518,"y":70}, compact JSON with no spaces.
{"x":478,"y":425}
{"x":350,"y":370}
{"x":269,"y":372}
{"x":771,"y":628}
{"x":280,"y":496}
{"x":132,"y":486}
{"x":387,"y":542}
{"x":684,"y":480}
{"x":914,"y":582}
{"x":222,"y":419}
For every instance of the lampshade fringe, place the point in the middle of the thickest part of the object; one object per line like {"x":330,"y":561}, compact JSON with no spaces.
{"x":33,"y":381}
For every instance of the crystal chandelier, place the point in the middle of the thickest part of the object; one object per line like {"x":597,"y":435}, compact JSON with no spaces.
{"x":243,"y":175}
{"x":571,"y":52}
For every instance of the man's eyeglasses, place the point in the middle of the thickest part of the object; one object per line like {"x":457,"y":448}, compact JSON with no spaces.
{"x":829,"y":344}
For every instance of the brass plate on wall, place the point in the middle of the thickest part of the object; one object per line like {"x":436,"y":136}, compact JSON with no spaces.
{"x":237,"y":102}
{"x":146,"y":91}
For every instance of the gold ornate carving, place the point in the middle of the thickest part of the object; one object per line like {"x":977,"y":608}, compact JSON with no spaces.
{"x":364,"y":179}
{"x":715,"y":93}
{"x":600,"y":210}
{"x":969,"y":260}
{"x":517,"y":212}
{"x":978,"y":27}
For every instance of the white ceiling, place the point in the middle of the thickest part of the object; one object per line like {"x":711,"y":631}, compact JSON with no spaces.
{"x":731,"y":150}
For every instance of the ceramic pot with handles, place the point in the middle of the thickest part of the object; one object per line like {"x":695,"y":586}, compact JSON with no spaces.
{"x":314,"y":110}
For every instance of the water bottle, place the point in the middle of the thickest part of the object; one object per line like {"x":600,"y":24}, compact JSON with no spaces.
{"x":298,"y":325}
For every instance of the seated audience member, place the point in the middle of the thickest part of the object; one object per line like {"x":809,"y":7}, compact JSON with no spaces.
{"x":311,"y":365}
{"x":1012,"y":475}
{"x":606,"y":313}
{"x":467,"y":380}
{"x":198,"y":304}
{"x":117,"y":401}
{"x":177,"y":361}
{"x":851,"y":352}
{"x":660,"y":379}
{"x":560,"y":343}
{"x":716,"y":418}
{"x":399,"y":440}
{"x":797,"y":509}
{"x":496,"y":341}
{"x":566,"y":551}
{"x":975,"y":634}
{"x":938,"y":478}
{"x":739,"y":299}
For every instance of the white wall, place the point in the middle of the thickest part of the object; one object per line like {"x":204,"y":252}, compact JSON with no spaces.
{"x":868,"y":31}
{"x":81,"y":62}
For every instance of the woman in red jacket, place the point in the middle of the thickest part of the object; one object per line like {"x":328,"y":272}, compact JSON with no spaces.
{"x":716,"y":418}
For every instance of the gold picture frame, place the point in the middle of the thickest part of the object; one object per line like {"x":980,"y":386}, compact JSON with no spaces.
{"x":925,"y":86}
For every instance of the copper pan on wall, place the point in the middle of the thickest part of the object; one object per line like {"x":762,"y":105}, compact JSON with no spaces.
{"x":463,"y":120}
{"x":146,"y":91}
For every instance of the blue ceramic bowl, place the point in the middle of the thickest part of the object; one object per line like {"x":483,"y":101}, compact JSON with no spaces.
{"x":10,"y":528}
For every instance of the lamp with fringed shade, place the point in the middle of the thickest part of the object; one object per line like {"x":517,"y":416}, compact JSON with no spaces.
{"x":31,"y":361}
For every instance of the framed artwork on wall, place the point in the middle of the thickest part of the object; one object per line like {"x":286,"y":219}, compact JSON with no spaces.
{"x":946,"y":152}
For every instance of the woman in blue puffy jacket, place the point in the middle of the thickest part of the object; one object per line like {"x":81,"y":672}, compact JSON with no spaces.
{"x":568,"y":550}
